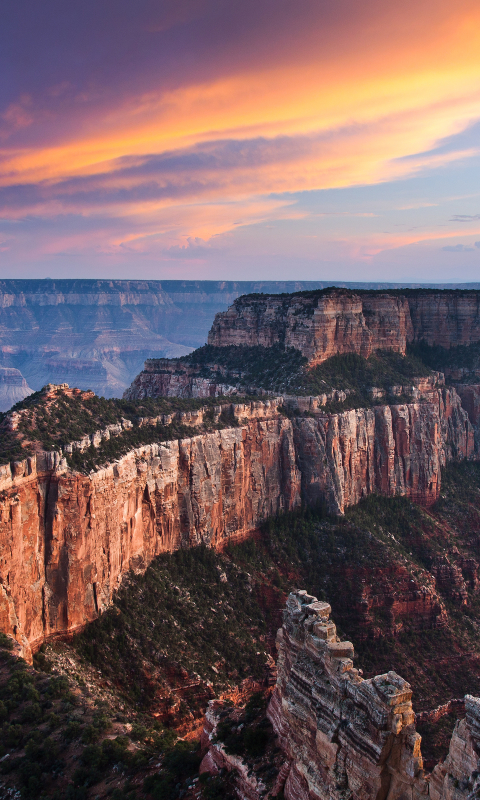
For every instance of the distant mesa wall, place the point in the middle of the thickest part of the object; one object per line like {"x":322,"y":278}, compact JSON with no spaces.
{"x":343,"y":736}
{"x":323,"y":324}
{"x":96,"y":334}
{"x":13,"y":387}
{"x":67,"y":539}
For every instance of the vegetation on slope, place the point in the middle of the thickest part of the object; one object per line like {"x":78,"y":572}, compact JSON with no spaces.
{"x":315,"y":294}
{"x":380,"y":544}
{"x":198,"y":623}
{"x":49,"y":423}
{"x":462,"y":363}
{"x":192,"y":615}
{"x":60,"y":740}
{"x":278,"y":370}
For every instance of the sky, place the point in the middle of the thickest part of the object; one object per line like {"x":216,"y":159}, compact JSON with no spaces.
{"x":261,"y":139}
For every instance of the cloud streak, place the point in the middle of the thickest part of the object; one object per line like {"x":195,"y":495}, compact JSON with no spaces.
{"x":166,"y":123}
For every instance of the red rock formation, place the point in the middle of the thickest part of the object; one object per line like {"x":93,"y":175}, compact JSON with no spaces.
{"x":343,"y":736}
{"x":171,"y":378}
{"x":445,"y":318}
{"x":319,"y":326}
{"x":400,"y":598}
{"x":67,"y":539}
{"x":337,"y":321}
{"x":453,"y":706}
{"x":450,"y":580}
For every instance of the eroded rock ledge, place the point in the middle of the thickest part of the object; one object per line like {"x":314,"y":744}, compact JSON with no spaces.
{"x":342,"y":736}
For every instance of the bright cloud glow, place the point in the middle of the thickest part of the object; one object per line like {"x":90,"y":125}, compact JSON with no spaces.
{"x":134,"y":135}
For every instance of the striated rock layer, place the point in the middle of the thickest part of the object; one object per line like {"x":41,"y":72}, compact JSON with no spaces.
{"x":13,"y":387}
{"x":321,"y":325}
{"x":66,"y":539}
{"x":342,"y":736}
{"x":174,"y":379}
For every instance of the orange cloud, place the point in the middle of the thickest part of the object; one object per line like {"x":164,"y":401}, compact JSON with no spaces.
{"x":320,"y":117}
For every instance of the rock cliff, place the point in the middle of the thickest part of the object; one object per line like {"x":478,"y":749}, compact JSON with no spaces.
{"x":13,"y":387}
{"x":172,"y":378}
{"x":322,"y":324}
{"x":341,"y":735}
{"x":95,"y":334}
{"x":66,"y":539}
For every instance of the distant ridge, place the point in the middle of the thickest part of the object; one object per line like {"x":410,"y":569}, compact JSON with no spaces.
{"x":97,"y":333}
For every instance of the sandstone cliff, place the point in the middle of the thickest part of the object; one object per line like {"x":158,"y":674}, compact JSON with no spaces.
{"x":322,"y":324}
{"x":340,"y":735}
{"x":67,"y":539}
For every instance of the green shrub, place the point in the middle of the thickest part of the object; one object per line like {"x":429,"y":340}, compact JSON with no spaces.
{"x":6,"y":642}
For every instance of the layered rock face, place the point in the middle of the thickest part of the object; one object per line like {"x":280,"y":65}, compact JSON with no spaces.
{"x":92,"y":334}
{"x":66,"y":539}
{"x":319,"y":326}
{"x":343,"y":736}
{"x":447,"y":319}
{"x":470,"y":399}
{"x":171,"y":378}
{"x":340,"y":733}
{"x":322,"y":325}
{"x":95,"y":334}
{"x":13,"y":387}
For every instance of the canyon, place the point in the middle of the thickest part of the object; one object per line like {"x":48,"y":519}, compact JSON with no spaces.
{"x":96,"y":334}
{"x":67,"y":538}
{"x":341,"y":735}
{"x":76,"y":531}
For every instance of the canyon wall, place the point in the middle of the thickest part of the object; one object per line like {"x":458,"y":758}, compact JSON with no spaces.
{"x":173,"y":378}
{"x":341,"y":735}
{"x":96,"y":334}
{"x":323,"y":324}
{"x":67,"y":539}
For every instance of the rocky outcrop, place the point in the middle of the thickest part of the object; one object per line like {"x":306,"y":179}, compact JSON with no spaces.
{"x":319,"y":326}
{"x":470,"y":398}
{"x":67,"y":539}
{"x":341,"y":735}
{"x":173,"y":378}
{"x":458,"y":777}
{"x":455,"y":706}
{"x":403,"y":602}
{"x":339,"y":732}
{"x":322,"y":324}
{"x":13,"y":387}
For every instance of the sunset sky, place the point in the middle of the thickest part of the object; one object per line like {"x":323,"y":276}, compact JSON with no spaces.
{"x":272,"y":139}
